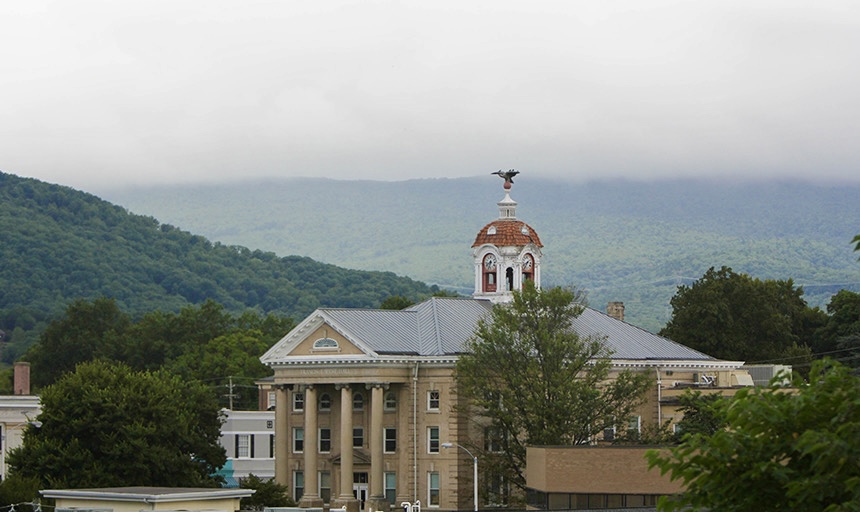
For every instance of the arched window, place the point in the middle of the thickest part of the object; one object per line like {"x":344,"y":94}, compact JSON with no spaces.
{"x":358,"y":402}
{"x":528,"y":268}
{"x":509,"y":278}
{"x":325,"y":344}
{"x":390,"y":401}
{"x":325,"y":402}
{"x":489,"y":267}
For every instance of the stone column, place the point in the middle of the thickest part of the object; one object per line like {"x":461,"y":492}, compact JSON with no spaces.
{"x":282,"y":434}
{"x":345,"y":498}
{"x":376,"y":501}
{"x":311,"y":498}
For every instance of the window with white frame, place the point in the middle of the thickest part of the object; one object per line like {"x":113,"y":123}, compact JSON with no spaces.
{"x":325,"y":402}
{"x":432,"y":439}
{"x":357,"y":437}
{"x":298,"y":401}
{"x":391,"y":487}
{"x":244,"y":446}
{"x":433,"y":493}
{"x":325,"y":486}
{"x":325,"y":440}
{"x":298,"y":485}
{"x":433,"y":400}
{"x":298,"y":439}
{"x":390,"y":401}
{"x":634,"y":424}
{"x":272,"y":398}
{"x":390,"y":440}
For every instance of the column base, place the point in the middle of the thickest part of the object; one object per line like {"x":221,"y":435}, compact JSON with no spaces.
{"x":311,"y":502}
{"x":349,"y":504}
{"x":377,"y":505}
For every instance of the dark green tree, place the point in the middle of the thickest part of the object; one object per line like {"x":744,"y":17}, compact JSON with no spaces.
{"x":538,"y":382}
{"x":701,"y":414}
{"x":781,"y":450}
{"x":837,"y":337}
{"x":269,"y":493}
{"x":733,"y":316}
{"x":229,"y":364}
{"x":105,"y":425}
{"x":87,"y":331}
{"x":396,"y":302}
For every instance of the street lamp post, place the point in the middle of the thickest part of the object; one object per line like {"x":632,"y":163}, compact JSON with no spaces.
{"x":475,"y":461}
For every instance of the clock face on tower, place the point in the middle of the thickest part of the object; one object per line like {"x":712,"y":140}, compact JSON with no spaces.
{"x":490,"y":262}
{"x":527,"y":264}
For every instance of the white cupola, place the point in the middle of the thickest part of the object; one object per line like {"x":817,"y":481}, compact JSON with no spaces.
{"x":507,"y":251}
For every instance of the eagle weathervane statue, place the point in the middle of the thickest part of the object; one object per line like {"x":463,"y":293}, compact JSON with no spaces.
{"x":508,"y":176}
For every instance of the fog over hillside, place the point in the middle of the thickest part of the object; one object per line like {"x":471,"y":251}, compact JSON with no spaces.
{"x":620,"y":240}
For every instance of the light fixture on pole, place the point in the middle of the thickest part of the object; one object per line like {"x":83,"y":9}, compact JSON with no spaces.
{"x":475,"y":461}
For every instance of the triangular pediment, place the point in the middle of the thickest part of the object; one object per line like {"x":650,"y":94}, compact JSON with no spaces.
{"x":317,"y":338}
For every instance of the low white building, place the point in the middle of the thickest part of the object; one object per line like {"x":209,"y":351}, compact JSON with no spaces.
{"x":248,"y":437}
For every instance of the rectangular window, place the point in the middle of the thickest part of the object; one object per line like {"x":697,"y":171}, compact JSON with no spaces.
{"x":298,"y":440}
{"x":298,"y":401}
{"x":433,"y":489}
{"x":390,"y":440}
{"x":243,"y":446}
{"x":493,"y":440}
{"x":433,"y":400}
{"x":298,"y":485}
{"x":391,"y":487}
{"x":325,"y":486}
{"x":357,"y":437}
{"x":432,"y":439}
{"x":609,"y":434}
{"x":272,"y":397}
{"x":271,"y":446}
{"x":325,"y":440}
{"x":634,"y":424}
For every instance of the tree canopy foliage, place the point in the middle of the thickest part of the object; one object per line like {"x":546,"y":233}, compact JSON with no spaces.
{"x":107,"y":425}
{"x":60,"y":244}
{"x":736,"y":317}
{"x":781,"y":450}
{"x":202,"y":343}
{"x":540,"y":383}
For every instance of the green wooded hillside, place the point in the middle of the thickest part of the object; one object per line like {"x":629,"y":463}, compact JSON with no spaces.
{"x":619,"y":240}
{"x":58,"y":244}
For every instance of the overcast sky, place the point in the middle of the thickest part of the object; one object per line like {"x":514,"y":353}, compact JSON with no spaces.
{"x":101,"y":94}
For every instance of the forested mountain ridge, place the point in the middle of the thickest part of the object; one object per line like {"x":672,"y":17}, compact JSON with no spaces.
{"x":619,"y":240}
{"x":58,"y":244}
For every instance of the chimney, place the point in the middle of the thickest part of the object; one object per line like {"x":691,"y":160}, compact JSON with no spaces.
{"x":615,"y":310}
{"x":22,"y":378}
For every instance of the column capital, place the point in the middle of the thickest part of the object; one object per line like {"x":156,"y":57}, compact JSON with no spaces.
{"x":338,"y":387}
{"x":371,"y":385}
{"x":282,"y":387}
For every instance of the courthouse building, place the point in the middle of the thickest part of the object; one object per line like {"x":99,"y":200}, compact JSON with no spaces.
{"x":365,"y":399}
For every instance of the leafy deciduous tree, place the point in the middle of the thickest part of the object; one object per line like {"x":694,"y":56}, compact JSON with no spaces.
{"x":540,"y":383}
{"x":733,"y":316}
{"x":780,"y":451}
{"x":269,"y":493}
{"x":106,"y":425}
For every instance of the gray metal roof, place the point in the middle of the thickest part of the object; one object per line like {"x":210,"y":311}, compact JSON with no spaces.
{"x":437,"y":326}
{"x":441,"y":326}
{"x":630,"y":342}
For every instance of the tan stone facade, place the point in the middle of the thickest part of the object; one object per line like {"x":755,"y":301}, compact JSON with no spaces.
{"x":584,"y":477}
{"x":372,"y":433}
